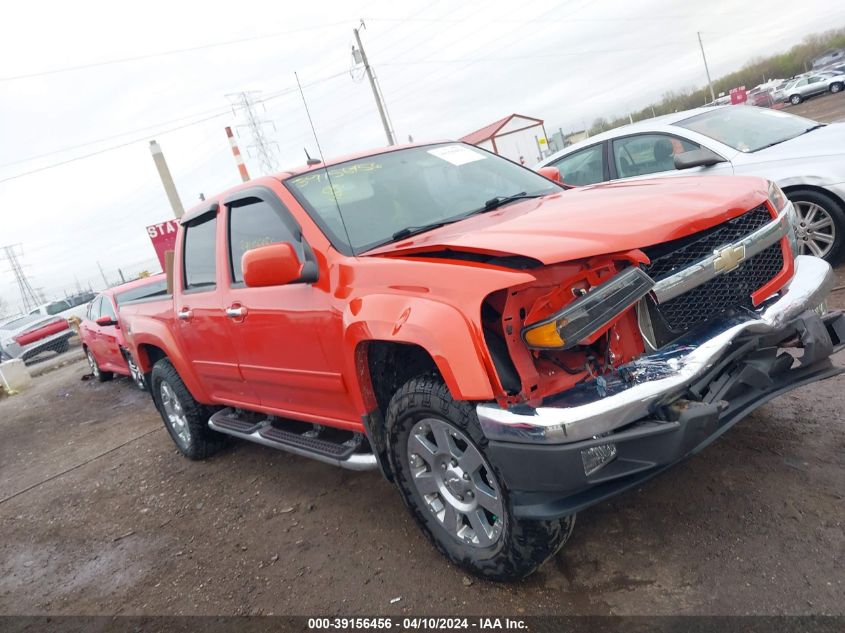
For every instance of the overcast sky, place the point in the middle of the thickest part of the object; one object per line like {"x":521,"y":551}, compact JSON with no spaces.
{"x":446,"y":68}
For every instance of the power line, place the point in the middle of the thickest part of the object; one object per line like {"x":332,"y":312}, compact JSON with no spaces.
{"x":224,"y":112}
{"x":266,"y":150}
{"x":175,"y":51}
{"x":29,"y":296}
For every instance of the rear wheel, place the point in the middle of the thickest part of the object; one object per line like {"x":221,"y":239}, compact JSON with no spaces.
{"x":455,"y":493}
{"x":795,"y":99}
{"x":820,"y":224}
{"x":184,"y":418}
{"x":102,"y":376}
{"x":837,"y":87}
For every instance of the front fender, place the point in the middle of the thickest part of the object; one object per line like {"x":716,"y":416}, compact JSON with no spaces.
{"x":157,"y":334}
{"x":454,"y":342}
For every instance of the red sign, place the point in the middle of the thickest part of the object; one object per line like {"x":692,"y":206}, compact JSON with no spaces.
{"x":163,"y":237}
{"x":738,"y":95}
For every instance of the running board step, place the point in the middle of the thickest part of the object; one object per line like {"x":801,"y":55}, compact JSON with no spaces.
{"x":268,"y":432}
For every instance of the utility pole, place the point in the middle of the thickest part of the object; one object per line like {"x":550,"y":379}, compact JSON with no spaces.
{"x":264,"y":148}
{"x":29,"y":297}
{"x":382,"y":109}
{"x":239,"y":160}
{"x":166,"y":180}
{"x":707,"y":70}
{"x":105,"y":281}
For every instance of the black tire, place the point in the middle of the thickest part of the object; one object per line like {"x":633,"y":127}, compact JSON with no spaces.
{"x":522,"y":545}
{"x":102,"y":376}
{"x":833,"y":208}
{"x":193,"y":438}
{"x":837,"y":87}
{"x":795,"y":99}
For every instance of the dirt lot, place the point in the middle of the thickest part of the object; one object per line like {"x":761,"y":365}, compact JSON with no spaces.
{"x":100,"y":515}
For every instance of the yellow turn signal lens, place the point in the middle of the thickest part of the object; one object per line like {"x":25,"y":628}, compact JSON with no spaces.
{"x":545,"y":335}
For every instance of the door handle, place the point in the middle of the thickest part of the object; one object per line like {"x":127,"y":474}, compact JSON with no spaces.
{"x":235,"y":312}
{"x":185,"y":314}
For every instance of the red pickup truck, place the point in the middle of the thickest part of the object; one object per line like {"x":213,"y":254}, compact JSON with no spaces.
{"x":506,"y":350}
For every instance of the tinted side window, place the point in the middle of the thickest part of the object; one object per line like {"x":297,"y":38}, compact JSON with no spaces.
{"x":585,"y":167}
{"x":253,"y":225}
{"x":107,"y":310}
{"x":94,"y":309}
{"x":647,"y":153}
{"x":200,"y":261}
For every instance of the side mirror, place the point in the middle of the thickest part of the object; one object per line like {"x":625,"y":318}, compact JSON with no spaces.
{"x":702,"y":157}
{"x":105,"y":321}
{"x":552,"y":173}
{"x":271,"y":265}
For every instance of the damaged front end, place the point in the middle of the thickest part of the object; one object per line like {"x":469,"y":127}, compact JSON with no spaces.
{"x":664,"y":405}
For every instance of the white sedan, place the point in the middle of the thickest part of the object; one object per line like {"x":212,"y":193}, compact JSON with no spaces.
{"x":804,"y":157}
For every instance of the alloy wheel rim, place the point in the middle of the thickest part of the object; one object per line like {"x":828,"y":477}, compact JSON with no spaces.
{"x":175,"y":413}
{"x":92,"y":364}
{"x":136,"y":373}
{"x":815,"y":229}
{"x":456,"y":482}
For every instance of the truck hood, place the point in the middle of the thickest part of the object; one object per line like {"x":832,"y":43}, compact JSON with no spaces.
{"x":594,"y":220}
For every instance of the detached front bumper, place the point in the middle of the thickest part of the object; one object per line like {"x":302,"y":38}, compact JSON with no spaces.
{"x":667,"y":405}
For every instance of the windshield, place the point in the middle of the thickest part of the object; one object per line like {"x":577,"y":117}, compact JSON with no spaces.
{"x":379,"y":196}
{"x":747,"y":128}
{"x":153,"y":289}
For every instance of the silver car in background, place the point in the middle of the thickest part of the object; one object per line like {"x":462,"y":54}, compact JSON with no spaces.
{"x":797,"y":90}
{"x":805,"y":158}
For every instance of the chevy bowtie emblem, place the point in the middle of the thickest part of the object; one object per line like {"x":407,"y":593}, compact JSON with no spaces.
{"x":728,"y":258}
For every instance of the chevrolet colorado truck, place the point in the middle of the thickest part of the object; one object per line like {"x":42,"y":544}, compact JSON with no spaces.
{"x":506,"y":350}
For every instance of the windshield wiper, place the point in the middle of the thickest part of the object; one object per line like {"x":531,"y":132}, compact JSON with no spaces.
{"x":492,"y":203}
{"x":498,"y":201}
{"x":408,"y":231}
{"x":809,"y":129}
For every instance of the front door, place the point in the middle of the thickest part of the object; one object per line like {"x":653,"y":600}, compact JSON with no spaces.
{"x":202,"y":325}
{"x":107,"y":338}
{"x":279,"y":331}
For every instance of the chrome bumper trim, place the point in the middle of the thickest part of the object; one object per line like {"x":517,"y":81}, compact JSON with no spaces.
{"x":703,"y":271}
{"x":581,"y":413}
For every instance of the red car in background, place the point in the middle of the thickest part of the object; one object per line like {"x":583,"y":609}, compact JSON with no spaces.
{"x":102,"y":335}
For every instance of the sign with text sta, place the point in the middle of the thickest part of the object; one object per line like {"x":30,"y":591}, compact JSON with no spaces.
{"x":163,"y":237}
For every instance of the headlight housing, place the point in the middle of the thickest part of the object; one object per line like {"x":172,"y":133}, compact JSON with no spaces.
{"x":590,"y":312}
{"x":781,"y":204}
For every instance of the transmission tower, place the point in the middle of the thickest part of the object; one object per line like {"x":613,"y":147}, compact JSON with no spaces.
{"x":261,"y":147}
{"x":29,"y":297}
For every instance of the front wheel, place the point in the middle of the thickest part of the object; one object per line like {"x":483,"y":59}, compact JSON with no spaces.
{"x":184,"y":418}
{"x":795,"y":99}
{"x":135,"y":372}
{"x":447,"y":481}
{"x":820,"y":224}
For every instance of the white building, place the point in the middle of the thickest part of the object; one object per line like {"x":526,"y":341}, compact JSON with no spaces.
{"x":519,"y":138}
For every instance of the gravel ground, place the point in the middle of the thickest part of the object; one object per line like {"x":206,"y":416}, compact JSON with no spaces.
{"x":100,"y":515}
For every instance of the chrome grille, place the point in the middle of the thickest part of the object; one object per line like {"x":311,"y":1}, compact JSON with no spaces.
{"x":719,"y":295}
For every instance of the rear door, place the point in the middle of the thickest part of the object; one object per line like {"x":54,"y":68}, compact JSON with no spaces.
{"x":92,"y":330}
{"x":201,"y":322}
{"x":280,"y":331}
{"x":108,"y":338}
